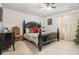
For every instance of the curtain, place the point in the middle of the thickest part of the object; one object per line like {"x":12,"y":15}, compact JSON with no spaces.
{"x":61,"y":27}
{"x":69,"y":23}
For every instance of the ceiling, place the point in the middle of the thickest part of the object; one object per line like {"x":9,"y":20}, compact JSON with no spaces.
{"x":33,"y":8}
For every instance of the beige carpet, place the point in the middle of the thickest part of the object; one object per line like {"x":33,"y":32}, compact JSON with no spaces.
{"x":55,"y":48}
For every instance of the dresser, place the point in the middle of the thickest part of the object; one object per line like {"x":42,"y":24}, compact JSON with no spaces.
{"x":6,"y":40}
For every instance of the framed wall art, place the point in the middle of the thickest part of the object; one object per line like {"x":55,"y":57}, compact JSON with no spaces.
{"x":49,"y":21}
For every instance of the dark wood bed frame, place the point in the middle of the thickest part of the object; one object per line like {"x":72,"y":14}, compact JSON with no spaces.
{"x":40,"y":39}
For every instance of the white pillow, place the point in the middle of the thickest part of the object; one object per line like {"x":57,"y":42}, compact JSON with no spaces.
{"x":27,"y":30}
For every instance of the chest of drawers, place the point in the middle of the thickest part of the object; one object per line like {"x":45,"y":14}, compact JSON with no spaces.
{"x":6,"y":40}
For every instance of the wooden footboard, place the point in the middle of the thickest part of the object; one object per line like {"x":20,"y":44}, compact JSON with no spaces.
{"x":40,"y":40}
{"x":48,"y":37}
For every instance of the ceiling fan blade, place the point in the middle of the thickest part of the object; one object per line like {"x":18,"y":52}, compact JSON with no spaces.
{"x":47,"y":4}
{"x":52,"y":3}
{"x":52,"y":6}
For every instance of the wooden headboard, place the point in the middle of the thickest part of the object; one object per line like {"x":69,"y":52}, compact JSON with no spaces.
{"x":33,"y":24}
{"x":30,"y":25}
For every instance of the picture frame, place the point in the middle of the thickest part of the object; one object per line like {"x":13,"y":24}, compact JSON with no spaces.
{"x":50,"y":21}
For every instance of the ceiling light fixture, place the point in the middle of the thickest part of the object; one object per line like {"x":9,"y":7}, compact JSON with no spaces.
{"x":45,"y":7}
{"x":48,"y":6}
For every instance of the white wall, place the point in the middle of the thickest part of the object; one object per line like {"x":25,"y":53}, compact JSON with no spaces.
{"x":61,"y":23}
{"x":12,"y":18}
{"x":54,"y":26}
{"x":0,"y":4}
{"x":56,"y":20}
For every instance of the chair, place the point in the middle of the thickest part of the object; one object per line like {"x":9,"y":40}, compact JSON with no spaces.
{"x":16,"y":31}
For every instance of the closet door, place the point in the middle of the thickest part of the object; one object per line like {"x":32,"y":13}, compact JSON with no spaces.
{"x":1,"y":14}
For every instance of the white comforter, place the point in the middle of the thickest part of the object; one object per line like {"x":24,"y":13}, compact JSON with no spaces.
{"x":32,"y":37}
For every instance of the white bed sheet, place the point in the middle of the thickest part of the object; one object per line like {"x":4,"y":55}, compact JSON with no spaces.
{"x":32,"y":37}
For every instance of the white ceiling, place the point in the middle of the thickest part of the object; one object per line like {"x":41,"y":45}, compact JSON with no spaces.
{"x":33,"y":8}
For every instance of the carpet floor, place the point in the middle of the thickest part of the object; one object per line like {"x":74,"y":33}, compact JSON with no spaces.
{"x":62,"y":47}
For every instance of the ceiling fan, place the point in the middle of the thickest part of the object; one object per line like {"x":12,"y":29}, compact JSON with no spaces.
{"x":49,"y":5}
{"x":45,"y":5}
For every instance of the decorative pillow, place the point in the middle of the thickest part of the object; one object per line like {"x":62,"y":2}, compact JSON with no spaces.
{"x":43,"y":30}
{"x":27,"y":30}
{"x":35,"y":30}
{"x":30,"y":30}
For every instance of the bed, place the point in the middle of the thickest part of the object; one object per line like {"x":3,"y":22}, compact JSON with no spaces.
{"x":37,"y":38}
